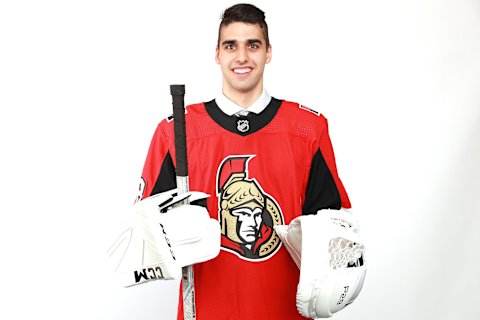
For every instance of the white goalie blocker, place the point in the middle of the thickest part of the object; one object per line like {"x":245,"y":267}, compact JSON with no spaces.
{"x":161,"y":237}
{"x":330,"y":255}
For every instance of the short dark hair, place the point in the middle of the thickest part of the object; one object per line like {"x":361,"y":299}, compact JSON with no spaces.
{"x":246,"y":13}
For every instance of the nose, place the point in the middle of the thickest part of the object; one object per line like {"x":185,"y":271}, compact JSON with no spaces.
{"x":242,"y":55}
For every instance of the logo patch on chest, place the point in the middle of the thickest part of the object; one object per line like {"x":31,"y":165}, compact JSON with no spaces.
{"x":247,"y":214}
{"x":243,"y":125}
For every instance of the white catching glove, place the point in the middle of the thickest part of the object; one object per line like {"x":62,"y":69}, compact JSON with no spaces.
{"x":159,"y":239}
{"x":329,"y":252}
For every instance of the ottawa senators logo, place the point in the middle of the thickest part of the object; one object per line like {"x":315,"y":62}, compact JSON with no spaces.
{"x":246,"y":213}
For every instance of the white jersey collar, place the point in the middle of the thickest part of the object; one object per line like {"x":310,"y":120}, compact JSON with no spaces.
{"x":230,"y":108}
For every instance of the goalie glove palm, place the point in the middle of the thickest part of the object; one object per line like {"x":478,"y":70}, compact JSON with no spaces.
{"x":329,"y":253}
{"x":155,"y":245}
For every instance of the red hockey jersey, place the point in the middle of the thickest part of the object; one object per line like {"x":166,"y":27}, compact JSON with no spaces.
{"x":260,"y":170}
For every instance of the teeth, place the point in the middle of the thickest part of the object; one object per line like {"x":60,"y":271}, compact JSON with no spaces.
{"x":244,"y":70}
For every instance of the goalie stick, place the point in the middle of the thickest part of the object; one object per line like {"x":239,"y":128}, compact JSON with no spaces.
{"x":178,"y":94}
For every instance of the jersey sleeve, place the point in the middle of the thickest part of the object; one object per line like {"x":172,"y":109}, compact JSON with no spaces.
{"x":158,"y":173}
{"x":324,"y":189}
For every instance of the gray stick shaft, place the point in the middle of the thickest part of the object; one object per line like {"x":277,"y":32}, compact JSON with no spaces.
{"x":188,"y":293}
{"x":188,"y":289}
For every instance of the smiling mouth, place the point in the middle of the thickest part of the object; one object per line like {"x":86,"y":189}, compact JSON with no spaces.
{"x":242,"y":70}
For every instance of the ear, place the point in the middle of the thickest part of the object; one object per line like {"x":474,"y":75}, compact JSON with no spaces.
{"x":217,"y":52}
{"x":269,"y":54}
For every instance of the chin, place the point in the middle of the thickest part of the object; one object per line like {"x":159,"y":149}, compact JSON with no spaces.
{"x":243,"y":88}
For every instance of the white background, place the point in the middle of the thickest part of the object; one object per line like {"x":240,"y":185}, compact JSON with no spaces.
{"x":84,"y":83}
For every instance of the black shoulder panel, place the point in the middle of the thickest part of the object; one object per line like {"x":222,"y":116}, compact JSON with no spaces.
{"x":322,"y":192}
{"x":166,"y":179}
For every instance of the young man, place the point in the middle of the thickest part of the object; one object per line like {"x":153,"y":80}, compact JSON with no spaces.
{"x":264,"y":161}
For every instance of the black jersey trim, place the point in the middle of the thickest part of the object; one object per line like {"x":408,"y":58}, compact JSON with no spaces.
{"x":166,"y":179}
{"x":254,"y":121}
{"x":322,"y":192}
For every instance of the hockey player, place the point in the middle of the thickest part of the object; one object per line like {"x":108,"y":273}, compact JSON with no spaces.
{"x":266,"y":163}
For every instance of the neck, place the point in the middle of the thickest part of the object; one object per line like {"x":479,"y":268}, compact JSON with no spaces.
{"x":243,"y":99}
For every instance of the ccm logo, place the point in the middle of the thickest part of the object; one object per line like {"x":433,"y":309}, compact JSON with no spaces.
{"x":343,"y":295}
{"x":148,"y":274}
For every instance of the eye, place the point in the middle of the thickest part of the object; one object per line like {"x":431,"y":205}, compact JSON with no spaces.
{"x":254,"y":46}
{"x":230,"y":47}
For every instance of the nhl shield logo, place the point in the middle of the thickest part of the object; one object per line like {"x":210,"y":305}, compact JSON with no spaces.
{"x":243,"y":125}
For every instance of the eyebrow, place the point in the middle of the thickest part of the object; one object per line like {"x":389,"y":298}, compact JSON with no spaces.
{"x":228,"y":42}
